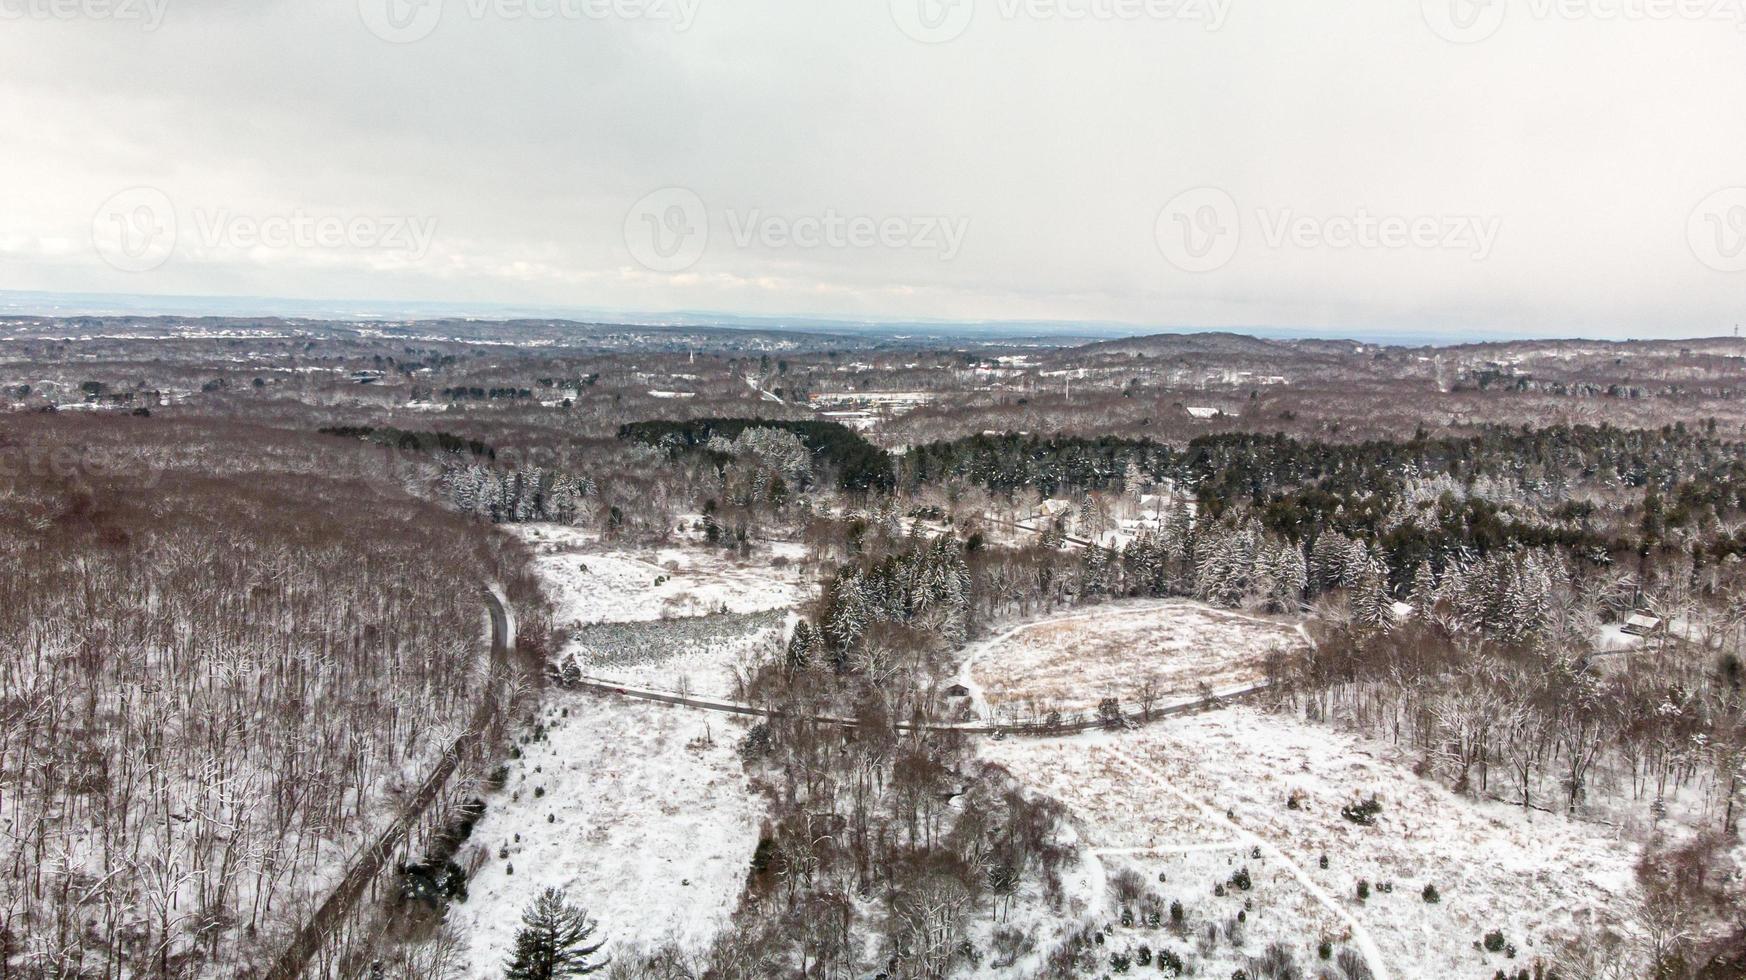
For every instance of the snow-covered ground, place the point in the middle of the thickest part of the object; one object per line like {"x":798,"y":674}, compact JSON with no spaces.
{"x":1188,"y":802}
{"x":594,"y":584}
{"x":642,"y":813}
{"x":708,"y":656}
{"x":1070,"y":663}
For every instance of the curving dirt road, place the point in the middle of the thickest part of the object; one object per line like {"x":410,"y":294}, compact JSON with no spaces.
{"x":967,"y":728}
{"x":367,"y":863}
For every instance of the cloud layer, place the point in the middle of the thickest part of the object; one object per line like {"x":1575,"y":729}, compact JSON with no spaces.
{"x":1525,"y":166}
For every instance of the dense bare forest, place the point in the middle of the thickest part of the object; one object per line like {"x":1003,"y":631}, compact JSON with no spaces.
{"x":225,"y":660}
{"x":244,"y":621}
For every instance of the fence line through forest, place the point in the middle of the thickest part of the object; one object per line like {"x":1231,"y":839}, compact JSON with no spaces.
{"x":369,"y":862}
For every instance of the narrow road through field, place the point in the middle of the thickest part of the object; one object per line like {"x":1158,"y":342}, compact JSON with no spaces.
{"x":1360,"y":937}
{"x":969,"y":728}
{"x":367,"y":863}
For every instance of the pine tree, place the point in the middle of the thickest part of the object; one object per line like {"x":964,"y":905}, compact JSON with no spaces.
{"x":1287,"y":577}
{"x":1372,"y":608}
{"x":553,"y":941}
{"x":800,"y":647}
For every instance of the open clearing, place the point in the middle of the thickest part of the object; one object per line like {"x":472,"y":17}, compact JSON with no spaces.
{"x":1071,"y":663}
{"x":594,"y":583}
{"x":1198,"y":798}
{"x":641,"y":813}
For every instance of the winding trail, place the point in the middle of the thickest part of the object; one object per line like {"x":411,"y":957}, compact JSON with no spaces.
{"x":1360,"y":936}
{"x":1038,"y":730}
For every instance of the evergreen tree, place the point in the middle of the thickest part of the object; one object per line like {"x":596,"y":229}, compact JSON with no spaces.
{"x":800,"y":647}
{"x":553,"y":941}
{"x":1287,"y":578}
{"x":1372,"y":608}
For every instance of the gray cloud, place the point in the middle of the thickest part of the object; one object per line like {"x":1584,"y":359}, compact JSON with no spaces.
{"x":1587,"y":143}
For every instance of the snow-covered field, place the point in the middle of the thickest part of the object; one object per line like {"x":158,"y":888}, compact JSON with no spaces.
{"x":640,"y":812}
{"x":594,"y":584}
{"x":1071,"y":663}
{"x":700,"y":655}
{"x":1189,"y":802}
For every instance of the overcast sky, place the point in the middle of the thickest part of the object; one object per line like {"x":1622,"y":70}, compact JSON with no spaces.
{"x":1522,"y":167}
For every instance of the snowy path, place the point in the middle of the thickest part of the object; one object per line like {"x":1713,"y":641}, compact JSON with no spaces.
{"x":969,"y":728}
{"x":1360,"y":936}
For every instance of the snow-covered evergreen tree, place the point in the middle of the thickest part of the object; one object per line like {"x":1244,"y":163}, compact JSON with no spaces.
{"x":553,"y":941}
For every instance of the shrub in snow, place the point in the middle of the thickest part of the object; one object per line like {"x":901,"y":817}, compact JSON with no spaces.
{"x":1120,"y":962}
{"x":1494,"y":941}
{"x":756,"y":745}
{"x":1363,"y":889}
{"x":1325,"y":950}
{"x":1176,"y":913}
{"x":433,"y":884}
{"x":1323,"y":863}
{"x":1353,"y":966}
{"x":1276,"y":963}
{"x":1169,"y":963}
{"x":1241,"y":879}
{"x":1363,"y":814}
{"x":1010,"y":944}
{"x":1431,"y":896}
{"x":1143,"y":955}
